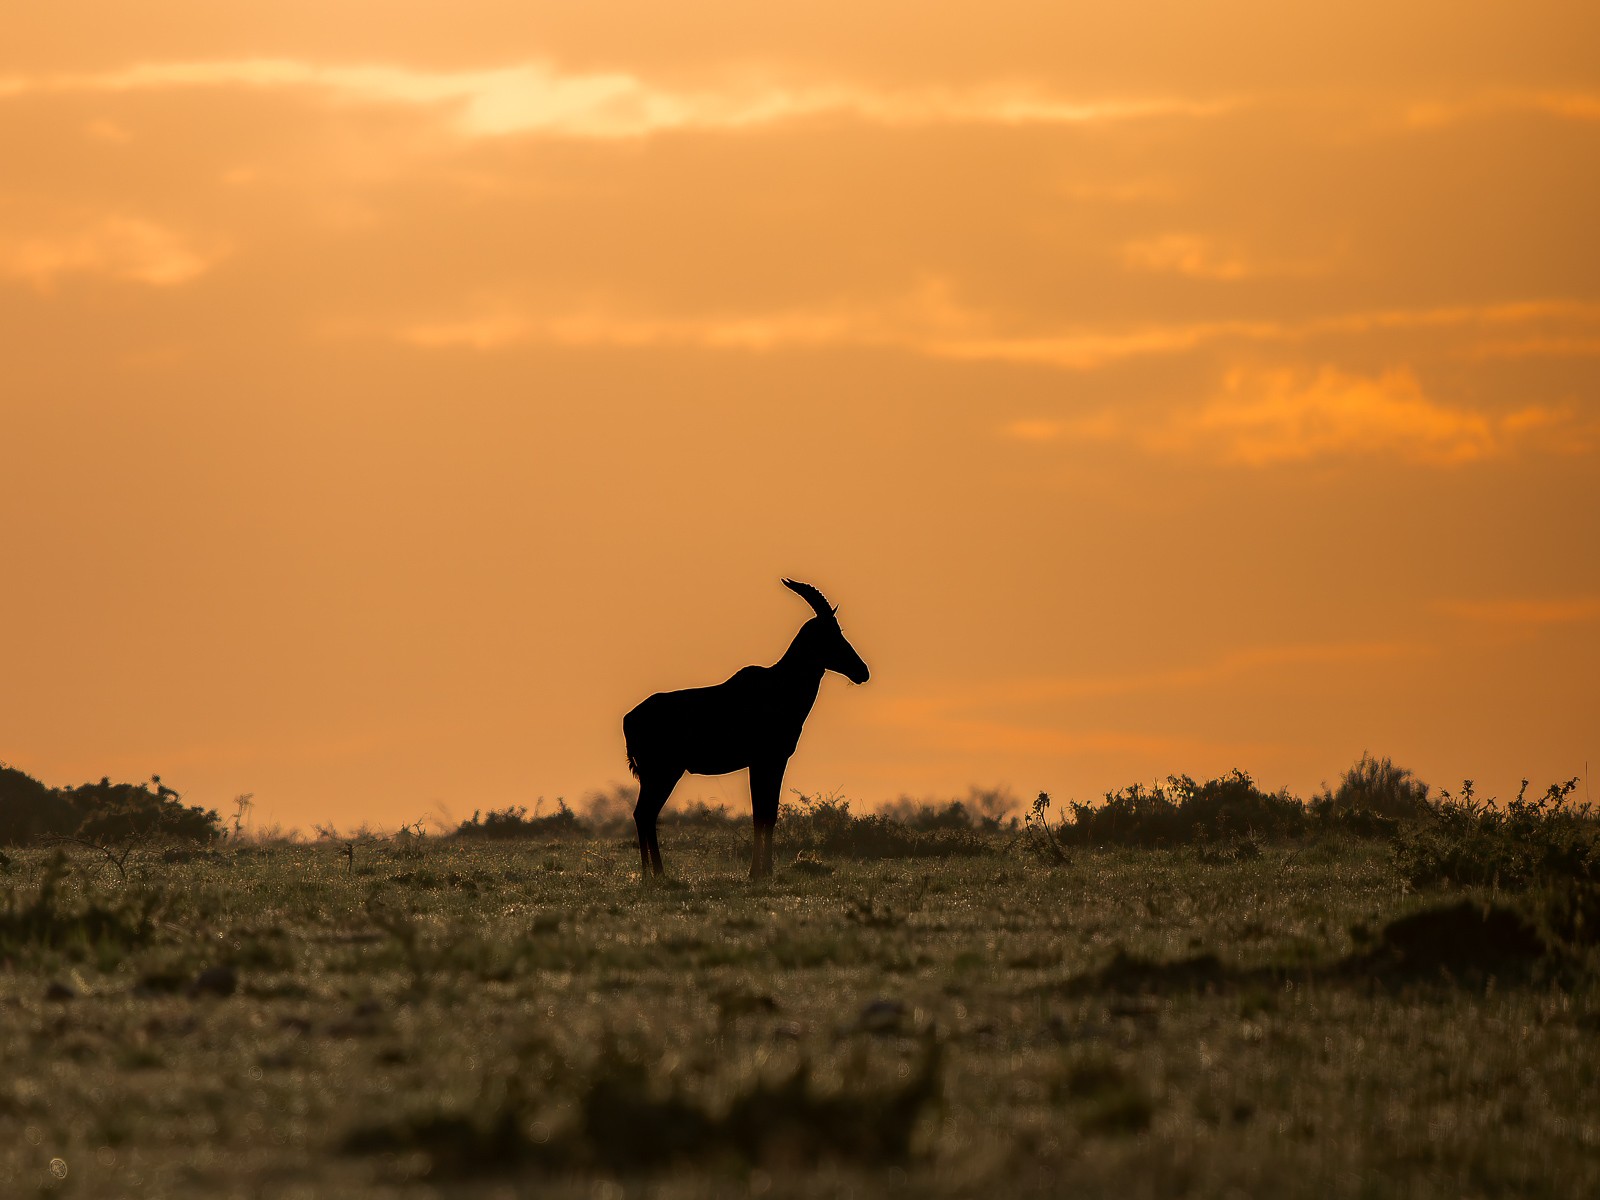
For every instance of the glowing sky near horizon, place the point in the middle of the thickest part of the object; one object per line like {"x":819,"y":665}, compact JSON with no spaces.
{"x":393,"y":394}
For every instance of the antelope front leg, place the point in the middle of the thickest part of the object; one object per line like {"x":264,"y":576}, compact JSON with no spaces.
{"x":766,"y":782}
{"x":761,"y":853}
{"x":646,"y":839}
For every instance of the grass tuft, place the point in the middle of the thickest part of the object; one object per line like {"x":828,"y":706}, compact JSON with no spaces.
{"x":52,"y":916}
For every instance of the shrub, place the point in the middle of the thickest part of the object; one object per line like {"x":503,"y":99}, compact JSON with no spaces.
{"x":102,"y":813}
{"x":826,"y":825}
{"x":122,"y":812}
{"x":610,"y":808}
{"x":1527,"y":843}
{"x":514,"y":822}
{"x":987,"y":810}
{"x":1570,"y":913}
{"x":29,"y":810}
{"x":926,"y":816}
{"x":1183,"y":811}
{"x":1047,"y":841}
{"x":700,"y":815}
{"x":1373,"y":787}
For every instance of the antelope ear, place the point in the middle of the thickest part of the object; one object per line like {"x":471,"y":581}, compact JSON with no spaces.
{"x":819,"y":602}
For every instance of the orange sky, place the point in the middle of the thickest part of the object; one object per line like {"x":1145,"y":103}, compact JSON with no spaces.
{"x":393,"y":394}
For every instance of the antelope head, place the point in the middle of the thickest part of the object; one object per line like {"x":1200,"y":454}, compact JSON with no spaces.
{"x":824,"y":637}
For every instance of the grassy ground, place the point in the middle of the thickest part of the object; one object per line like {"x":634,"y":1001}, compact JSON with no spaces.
{"x":519,"y":1019}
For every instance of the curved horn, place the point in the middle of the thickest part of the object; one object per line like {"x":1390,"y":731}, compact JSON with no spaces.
{"x":812,"y":597}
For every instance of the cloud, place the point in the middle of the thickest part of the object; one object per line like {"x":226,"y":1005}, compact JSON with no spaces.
{"x":1035,"y":430}
{"x":539,"y":98}
{"x":1259,"y":418}
{"x":926,"y":321}
{"x":118,"y":247}
{"x":925,"y":310}
{"x":1266,"y":418}
{"x":1184,"y":254}
{"x":495,"y":329}
{"x":1196,"y":257}
{"x":1095,"y":427}
{"x":1088,"y":348}
{"x":1537,"y":347}
{"x":1570,"y":106}
{"x":1482,"y":316}
{"x":1563,"y":611}
{"x":102,"y":130}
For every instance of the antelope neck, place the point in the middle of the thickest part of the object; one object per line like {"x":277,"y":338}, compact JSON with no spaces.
{"x":796,"y":664}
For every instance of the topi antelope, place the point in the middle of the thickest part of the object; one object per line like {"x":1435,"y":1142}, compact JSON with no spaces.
{"x":753,"y":720}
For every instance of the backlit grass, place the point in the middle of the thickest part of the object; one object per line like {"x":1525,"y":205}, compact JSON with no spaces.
{"x":471,"y":1017}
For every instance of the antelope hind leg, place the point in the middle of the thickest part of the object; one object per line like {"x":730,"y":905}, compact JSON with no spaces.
{"x":653,"y":793}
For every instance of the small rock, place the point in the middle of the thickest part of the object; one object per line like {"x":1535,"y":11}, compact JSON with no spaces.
{"x":215,"y":981}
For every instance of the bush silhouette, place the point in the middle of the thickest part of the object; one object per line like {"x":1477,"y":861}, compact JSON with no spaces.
{"x":102,"y":813}
{"x":30,"y":810}
{"x":1375,"y":786}
{"x":514,"y":822}
{"x":825,"y":825}
{"x":1183,"y":811}
{"x":120,"y":812}
{"x":1527,"y":843}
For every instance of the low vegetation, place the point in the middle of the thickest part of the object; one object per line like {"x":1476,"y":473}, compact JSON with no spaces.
{"x":1200,"y":994}
{"x":825,"y":826}
{"x":49,"y":915}
{"x":514,"y":822}
{"x":1527,"y":843}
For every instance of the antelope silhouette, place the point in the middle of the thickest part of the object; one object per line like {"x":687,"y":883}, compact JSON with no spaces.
{"x":752,"y":720}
